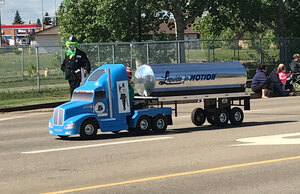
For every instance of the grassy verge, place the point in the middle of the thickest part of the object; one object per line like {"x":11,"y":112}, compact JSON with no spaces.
{"x":32,"y":97}
{"x":31,"y":82}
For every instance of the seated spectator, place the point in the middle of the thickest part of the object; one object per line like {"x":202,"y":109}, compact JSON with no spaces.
{"x":295,"y":64}
{"x":277,"y":84}
{"x":286,"y":85}
{"x":261,"y":83}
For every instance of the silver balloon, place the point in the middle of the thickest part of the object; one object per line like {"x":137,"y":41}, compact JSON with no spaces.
{"x":144,"y":80}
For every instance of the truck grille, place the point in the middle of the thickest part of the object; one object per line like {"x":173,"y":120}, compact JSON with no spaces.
{"x":58,"y":116}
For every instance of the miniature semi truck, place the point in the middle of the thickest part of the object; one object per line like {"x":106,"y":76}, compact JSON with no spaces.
{"x":103,"y":101}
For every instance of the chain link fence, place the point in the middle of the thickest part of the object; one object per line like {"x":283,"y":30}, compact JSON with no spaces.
{"x":36,"y":67}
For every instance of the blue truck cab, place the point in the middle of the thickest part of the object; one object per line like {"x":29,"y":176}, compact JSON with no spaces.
{"x":102,"y":102}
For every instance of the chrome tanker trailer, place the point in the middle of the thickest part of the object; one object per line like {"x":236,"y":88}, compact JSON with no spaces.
{"x":220,"y":85}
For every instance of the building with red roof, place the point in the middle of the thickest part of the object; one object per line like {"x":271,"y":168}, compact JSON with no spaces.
{"x":18,"y":34}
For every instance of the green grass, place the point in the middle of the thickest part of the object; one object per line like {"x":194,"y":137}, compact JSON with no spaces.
{"x":13,"y":64}
{"x":222,"y":54}
{"x":31,"y":81}
{"x":32,"y":97}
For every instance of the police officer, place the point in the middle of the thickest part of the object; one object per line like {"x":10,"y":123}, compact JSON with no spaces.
{"x":75,"y":59}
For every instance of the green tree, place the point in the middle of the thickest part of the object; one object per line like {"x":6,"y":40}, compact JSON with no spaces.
{"x":38,"y":22}
{"x":84,"y":19}
{"x":107,"y":20}
{"x":18,"y":19}
{"x":280,"y":16}
{"x":140,"y":19}
{"x":184,"y":14}
{"x":206,"y":27}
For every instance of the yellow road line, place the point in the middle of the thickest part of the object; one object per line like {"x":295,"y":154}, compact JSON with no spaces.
{"x":176,"y":174}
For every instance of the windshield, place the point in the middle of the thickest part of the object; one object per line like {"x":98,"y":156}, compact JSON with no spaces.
{"x":82,"y":96}
{"x":96,"y":75}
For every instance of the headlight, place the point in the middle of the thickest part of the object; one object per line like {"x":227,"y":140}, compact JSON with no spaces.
{"x":50,"y":125}
{"x":70,"y":126}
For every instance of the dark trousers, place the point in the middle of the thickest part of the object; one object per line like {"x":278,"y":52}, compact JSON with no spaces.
{"x":73,"y":85}
{"x":278,"y":90}
{"x":259,"y":87}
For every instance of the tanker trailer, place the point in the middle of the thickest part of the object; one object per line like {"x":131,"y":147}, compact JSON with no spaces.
{"x":220,"y":85}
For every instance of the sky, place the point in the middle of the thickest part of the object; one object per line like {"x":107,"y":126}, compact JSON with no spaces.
{"x":30,"y":10}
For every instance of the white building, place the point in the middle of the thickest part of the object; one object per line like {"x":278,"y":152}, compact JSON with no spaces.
{"x":47,"y":40}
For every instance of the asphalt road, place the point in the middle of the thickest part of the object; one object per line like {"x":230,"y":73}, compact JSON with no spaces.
{"x":260,"y":156}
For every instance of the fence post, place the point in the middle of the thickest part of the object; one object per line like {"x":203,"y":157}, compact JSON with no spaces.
{"x":238,"y":47}
{"x":98,"y":47}
{"x":234,"y":58}
{"x":61,"y":58}
{"x":208,"y":51}
{"x":188,"y":51}
{"x":147,"y":46}
{"x":22,"y":69}
{"x":213,"y":45}
{"x":113,"y":53}
{"x":131,"y":63}
{"x":178,"y":53}
{"x":37,"y":68}
{"x":261,"y":51}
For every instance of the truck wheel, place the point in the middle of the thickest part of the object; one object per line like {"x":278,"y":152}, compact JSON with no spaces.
{"x":143,"y":125}
{"x":159,"y":124}
{"x":198,"y":116}
{"x":221,"y":117}
{"x":210,"y":119}
{"x":236,"y":116}
{"x":88,"y":129}
{"x":131,"y":130}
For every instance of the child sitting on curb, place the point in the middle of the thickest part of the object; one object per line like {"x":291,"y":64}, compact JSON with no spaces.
{"x":283,"y":78}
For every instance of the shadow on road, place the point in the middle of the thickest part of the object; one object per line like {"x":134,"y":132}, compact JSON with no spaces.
{"x":229,"y":126}
{"x":125,"y":134}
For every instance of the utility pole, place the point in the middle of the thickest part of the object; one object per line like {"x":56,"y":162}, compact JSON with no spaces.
{"x":2,"y":2}
{"x":54,"y":19}
{"x":43,"y":14}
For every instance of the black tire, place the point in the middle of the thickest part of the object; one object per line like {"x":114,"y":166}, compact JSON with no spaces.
{"x":143,"y":125}
{"x":88,"y":129}
{"x":198,"y":116}
{"x":221,"y":117}
{"x":63,"y":136}
{"x":131,"y":130}
{"x":236,"y":116}
{"x":211,"y":119}
{"x":159,"y":123}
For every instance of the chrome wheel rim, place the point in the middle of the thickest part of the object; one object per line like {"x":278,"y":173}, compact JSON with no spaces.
{"x":144,"y":124}
{"x":160,"y":123}
{"x":223,"y":118}
{"x":237,"y":116}
{"x":89,"y":129}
